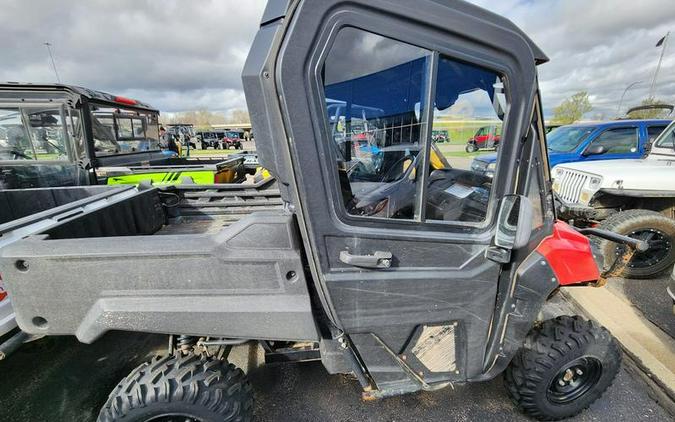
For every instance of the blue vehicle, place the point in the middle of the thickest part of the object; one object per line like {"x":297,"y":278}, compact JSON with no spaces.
{"x":611,"y":140}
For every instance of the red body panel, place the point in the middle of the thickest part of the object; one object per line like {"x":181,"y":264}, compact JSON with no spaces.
{"x":569,"y":254}
{"x":481,"y":140}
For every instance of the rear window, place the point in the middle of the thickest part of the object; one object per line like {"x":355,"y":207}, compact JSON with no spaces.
{"x":119,"y":131}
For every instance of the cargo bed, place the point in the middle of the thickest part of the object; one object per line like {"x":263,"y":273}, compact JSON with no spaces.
{"x":217,"y":260}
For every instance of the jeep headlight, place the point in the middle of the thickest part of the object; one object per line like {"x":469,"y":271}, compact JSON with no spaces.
{"x":557,"y":172}
{"x":594,"y":182}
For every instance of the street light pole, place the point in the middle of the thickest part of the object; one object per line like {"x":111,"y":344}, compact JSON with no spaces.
{"x":49,"y":49}
{"x":618,"y":109}
{"x":658,"y":66}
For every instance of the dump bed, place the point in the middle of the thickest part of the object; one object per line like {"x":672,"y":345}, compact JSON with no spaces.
{"x":24,"y":212}
{"x":218,"y":260}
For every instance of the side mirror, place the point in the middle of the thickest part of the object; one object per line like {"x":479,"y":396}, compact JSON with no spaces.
{"x":595,"y":150}
{"x":514,"y":224}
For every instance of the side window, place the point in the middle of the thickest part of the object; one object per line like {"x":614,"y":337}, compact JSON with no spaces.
{"x":375,"y":89}
{"x":470,"y":104}
{"x":618,"y":141}
{"x":33,"y":133}
{"x":14,"y":139}
{"x":653,"y":132}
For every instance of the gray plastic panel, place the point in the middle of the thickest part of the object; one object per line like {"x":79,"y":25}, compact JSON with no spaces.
{"x":245,"y":281}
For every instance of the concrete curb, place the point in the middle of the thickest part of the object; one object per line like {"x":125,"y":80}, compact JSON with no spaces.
{"x":650,"y":350}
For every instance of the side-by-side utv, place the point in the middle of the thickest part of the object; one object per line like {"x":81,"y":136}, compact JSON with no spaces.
{"x":55,"y":135}
{"x":405,"y":272}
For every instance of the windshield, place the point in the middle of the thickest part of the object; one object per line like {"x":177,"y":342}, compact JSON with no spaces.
{"x":567,"y":138}
{"x":667,"y":138}
{"x":233,"y":135}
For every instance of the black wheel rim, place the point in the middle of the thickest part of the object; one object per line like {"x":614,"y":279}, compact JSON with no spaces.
{"x":574,"y":380}
{"x":660,"y":245}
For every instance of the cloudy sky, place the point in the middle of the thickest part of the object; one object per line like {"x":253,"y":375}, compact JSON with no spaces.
{"x":184,"y":54}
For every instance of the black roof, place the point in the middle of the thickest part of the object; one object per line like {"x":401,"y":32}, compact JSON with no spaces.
{"x":77,"y":90}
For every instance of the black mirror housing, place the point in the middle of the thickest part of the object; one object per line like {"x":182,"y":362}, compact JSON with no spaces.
{"x":514,"y":224}
{"x":595,"y":150}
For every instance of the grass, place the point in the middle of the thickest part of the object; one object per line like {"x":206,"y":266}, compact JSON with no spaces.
{"x":459,"y":131}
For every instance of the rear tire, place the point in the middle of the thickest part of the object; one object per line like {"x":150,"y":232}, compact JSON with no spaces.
{"x":186,"y":387}
{"x":566,"y":364}
{"x":657,"y":229}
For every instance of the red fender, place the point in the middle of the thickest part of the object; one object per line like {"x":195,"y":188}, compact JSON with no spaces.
{"x":569,"y":254}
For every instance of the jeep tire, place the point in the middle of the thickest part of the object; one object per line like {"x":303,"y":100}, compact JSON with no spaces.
{"x":471,"y":147}
{"x":185,"y":387}
{"x":566,"y":364}
{"x":654,"y":228}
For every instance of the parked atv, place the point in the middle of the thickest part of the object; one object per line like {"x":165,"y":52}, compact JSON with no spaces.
{"x":406,"y":294}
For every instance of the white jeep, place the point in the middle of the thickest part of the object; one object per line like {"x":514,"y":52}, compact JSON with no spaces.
{"x":631,"y":197}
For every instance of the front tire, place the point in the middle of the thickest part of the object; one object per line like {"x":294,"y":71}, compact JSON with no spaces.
{"x":654,"y":228}
{"x":471,"y":148}
{"x":181,"y":387}
{"x":566,"y":364}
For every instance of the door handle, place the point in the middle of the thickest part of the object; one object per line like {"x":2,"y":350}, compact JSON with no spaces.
{"x":379,"y":259}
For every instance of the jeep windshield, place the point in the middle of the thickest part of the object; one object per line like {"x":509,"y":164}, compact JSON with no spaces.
{"x":121,"y":131}
{"x":667,"y":138}
{"x":567,"y":138}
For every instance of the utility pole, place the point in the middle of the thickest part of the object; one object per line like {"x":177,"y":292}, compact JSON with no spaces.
{"x":663,"y":42}
{"x":49,"y":49}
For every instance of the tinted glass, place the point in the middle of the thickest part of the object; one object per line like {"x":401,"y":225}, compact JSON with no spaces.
{"x":120,"y":131}
{"x":653,"y":132}
{"x":470,"y":105}
{"x":618,"y":141}
{"x":567,"y":138}
{"x":374,"y":89}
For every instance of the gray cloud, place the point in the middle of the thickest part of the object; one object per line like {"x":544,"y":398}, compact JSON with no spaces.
{"x":175,"y":55}
{"x":180,"y":55}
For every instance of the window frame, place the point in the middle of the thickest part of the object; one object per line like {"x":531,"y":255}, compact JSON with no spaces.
{"x":330,"y":157}
{"x":635,"y":128}
{"x":65,"y":118}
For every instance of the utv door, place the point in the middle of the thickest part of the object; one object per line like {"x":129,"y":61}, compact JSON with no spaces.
{"x":397,"y":228}
{"x":38,"y":146}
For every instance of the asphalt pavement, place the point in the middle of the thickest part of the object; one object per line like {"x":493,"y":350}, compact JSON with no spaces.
{"x":59,"y":379}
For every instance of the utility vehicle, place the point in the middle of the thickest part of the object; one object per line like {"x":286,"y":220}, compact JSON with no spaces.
{"x":62,"y":135}
{"x":184,"y":133}
{"x":445,"y":287}
{"x":486,"y":137}
{"x":232,"y":139}
{"x":631,"y":197}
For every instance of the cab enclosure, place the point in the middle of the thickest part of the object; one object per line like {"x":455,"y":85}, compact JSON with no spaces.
{"x":382,"y":258}
{"x":62,"y":135}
